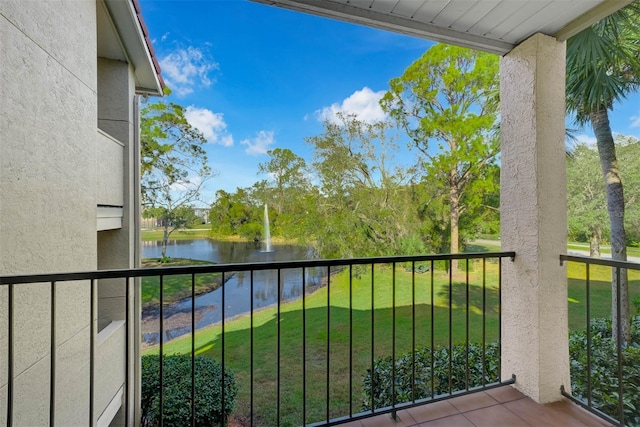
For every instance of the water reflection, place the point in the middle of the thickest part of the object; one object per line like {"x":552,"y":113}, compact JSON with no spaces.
{"x":267,"y":285}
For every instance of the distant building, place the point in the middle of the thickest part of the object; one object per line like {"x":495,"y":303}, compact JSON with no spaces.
{"x":203,"y":213}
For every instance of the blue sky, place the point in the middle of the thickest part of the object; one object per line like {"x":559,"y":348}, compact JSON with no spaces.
{"x":256,"y":77}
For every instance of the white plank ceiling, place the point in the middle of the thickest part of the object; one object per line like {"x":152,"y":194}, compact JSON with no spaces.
{"x":490,"y":25}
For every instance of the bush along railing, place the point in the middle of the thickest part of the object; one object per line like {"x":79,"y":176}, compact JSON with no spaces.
{"x":299,"y":342}
{"x":424,"y":374}
{"x":605,"y":369}
{"x":206,"y":388}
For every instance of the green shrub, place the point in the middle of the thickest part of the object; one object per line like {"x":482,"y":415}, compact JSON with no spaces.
{"x":177,"y":391}
{"x":604,"y":368}
{"x":381,"y":386}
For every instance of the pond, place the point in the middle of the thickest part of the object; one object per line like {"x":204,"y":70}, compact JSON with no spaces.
{"x":237,"y":288}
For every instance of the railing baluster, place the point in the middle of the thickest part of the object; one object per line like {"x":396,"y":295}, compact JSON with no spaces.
{"x":127,"y":349}
{"x":393,"y":340}
{"x":588,"y":297}
{"x":466,"y":379}
{"x":160,"y":358}
{"x":373,"y":372}
{"x":499,"y":318}
{"x":304,"y":347}
{"x":251,"y":350}
{"x":350,"y":340}
{"x":618,"y":333}
{"x":328,"y":341}
{"x":193,"y":349}
{"x":222,"y":396}
{"x":278,"y":351}
{"x":433,"y":317}
{"x":451,"y":326}
{"x":484,"y":321}
{"x":92,"y":353}
{"x":52,"y":365}
{"x":10,"y":361}
{"x":413,"y":331}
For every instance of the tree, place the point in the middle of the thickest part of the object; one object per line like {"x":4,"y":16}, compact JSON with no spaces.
{"x":586,"y":199}
{"x":446,"y":101}
{"x":629,"y":150}
{"x":237,"y":214}
{"x":173,"y":165}
{"x":289,"y":176}
{"x":603,"y":66}
{"x":364,"y":200}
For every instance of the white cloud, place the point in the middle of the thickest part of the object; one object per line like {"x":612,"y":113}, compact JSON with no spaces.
{"x":586,"y":140}
{"x":260,"y":143}
{"x":635,"y":121}
{"x":184,"y":69}
{"x":365,"y":104}
{"x":212,"y":125}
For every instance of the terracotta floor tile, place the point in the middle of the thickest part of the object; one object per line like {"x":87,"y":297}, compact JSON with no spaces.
{"x":473,"y":401}
{"x":495,"y":416}
{"x":403,"y":419}
{"x":453,"y":421}
{"x":352,"y":424}
{"x":432,"y":411}
{"x":482,"y":409}
{"x":569,"y":409}
{"x":505,"y":394}
{"x":561,"y":414}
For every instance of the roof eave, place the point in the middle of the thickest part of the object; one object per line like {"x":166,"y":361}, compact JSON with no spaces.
{"x":135,"y":40}
{"x":371,"y":18}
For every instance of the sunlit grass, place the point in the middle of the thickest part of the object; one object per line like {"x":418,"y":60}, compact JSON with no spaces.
{"x":329,"y":322}
{"x":176,"y":287}
{"x":352,"y":321}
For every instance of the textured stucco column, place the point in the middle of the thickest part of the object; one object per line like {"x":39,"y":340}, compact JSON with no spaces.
{"x":533,"y":218}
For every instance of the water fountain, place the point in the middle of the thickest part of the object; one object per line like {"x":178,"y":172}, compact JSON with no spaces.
{"x":267,"y":232}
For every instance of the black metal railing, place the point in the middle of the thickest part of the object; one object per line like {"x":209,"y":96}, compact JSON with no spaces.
{"x":317,"y":342}
{"x":605,"y":370}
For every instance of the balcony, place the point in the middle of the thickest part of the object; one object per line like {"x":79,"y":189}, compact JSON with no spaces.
{"x":308,"y":358}
{"x":110,"y":181}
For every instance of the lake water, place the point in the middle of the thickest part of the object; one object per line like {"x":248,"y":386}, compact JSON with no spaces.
{"x":237,"y":289}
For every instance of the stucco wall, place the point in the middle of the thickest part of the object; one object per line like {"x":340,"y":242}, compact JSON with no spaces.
{"x":47,"y":200}
{"x":533,"y":217}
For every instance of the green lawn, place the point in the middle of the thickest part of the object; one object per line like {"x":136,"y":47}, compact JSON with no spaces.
{"x":201,"y":232}
{"x":335,"y":325}
{"x":176,"y":287}
{"x":631,"y":251}
{"x":340,"y":328}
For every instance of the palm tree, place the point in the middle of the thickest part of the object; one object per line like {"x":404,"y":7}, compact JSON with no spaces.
{"x":603,"y":66}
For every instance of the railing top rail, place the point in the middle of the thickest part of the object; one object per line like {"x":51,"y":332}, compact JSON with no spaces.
{"x":219,"y":268}
{"x":599,"y":261}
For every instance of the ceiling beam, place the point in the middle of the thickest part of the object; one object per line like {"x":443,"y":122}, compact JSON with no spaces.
{"x":370,"y":18}
{"x":589,"y":18}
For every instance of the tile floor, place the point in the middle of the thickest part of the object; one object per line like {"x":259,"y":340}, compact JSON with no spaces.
{"x":499,"y":407}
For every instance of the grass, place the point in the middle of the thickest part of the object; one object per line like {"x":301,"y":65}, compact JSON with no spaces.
{"x":323,"y":324}
{"x":200,"y":232}
{"x":175,"y":288}
{"x":631,"y":250}
{"x":600,"y":292}
{"x":342,"y":328}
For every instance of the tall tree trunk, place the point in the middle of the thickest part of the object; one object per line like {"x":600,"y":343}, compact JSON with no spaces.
{"x":454,"y":204}
{"x":615,"y":206}
{"x":165,"y":238}
{"x":594,"y":242}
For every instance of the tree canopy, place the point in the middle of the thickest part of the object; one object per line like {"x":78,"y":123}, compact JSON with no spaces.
{"x":447,"y":103}
{"x":174,"y":165}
